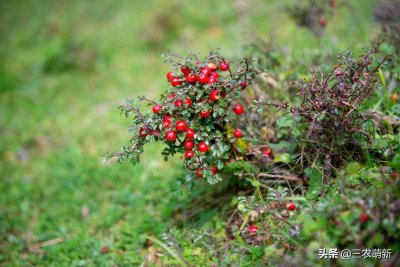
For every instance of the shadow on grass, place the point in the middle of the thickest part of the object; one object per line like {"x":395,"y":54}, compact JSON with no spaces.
{"x":205,"y":202}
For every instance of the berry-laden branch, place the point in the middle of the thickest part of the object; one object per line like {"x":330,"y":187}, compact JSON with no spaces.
{"x":194,"y":116}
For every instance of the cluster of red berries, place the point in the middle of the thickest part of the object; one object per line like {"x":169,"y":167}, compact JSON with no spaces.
{"x":193,"y":115}
{"x":208,"y":74}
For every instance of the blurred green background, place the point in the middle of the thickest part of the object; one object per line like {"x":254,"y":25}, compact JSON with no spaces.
{"x":65,"y":66}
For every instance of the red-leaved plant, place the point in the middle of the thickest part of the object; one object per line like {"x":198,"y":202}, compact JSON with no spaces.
{"x":194,"y":116}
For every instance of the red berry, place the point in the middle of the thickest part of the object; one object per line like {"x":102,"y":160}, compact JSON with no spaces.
{"x":205,"y":71}
{"x":214,"y":96}
{"x":202,"y":78}
{"x":238,"y":109}
{"x":290,"y":206}
{"x":104,"y":250}
{"x":205,"y":114}
{"x":180,"y":125}
{"x":224,"y":66}
{"x":156,"y":108}
{"x":170,"y":135}
{"x":238,"y":133}
{"x":322,"y":22}
{"x":211,"y":80}
{"x":166,"y":124}
{"x":185,"y":70}
{"x":253,"y":229}
{"x":267,"y":152}
{"x":167,"y":117}
{"x":214,"y":169}
{"x":170,"y":75}
{"x":178,"y":103}
{"x":243,"y":85}
{"x":395,"y":97}
{"x":191,"y":78}
{"x":175,"y":81}
{"x":188,"y":102}
{"x":364,"y":217}
{"x":198,"y":172}
{"x":189,"y":154}
{"x":214,"y":75}
{"x":188,"y":145}
{"x":202,"y":147}
{"x":190,"y":133}
{"x":212,"y":66}
{"x":143,"y":132}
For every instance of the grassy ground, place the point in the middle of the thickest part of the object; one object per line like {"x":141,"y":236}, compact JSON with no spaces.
{"x":65,"y":66}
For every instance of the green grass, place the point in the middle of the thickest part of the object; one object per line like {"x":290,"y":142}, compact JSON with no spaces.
{"x":65,"y":67}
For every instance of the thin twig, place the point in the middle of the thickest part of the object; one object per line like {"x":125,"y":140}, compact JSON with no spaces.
{"x":47,"y":243}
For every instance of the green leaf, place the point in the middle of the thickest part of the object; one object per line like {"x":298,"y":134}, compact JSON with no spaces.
{"x":213,"y":179}
{"x":284,"y":146}
{"x":220,"y":165}
{"x":285,"y":121}
{"x":353,"y":168}
{"x":270,"y":250}
{"x":347,"y":217}
{"x":395,"y":164}
{"x":309,"y":227}
{"x":239,"y":166}
{"x":382,"y":77}
{"x":315,"y":182}
{"x":253,"y":182}
{"x":285,"y":158}
{"x":396,"y":109}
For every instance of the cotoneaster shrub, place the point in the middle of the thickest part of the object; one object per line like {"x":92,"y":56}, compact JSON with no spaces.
{"x":194,"y":117}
